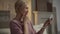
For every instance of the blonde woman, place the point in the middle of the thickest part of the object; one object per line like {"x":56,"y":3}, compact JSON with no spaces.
{"x":17,"y":24}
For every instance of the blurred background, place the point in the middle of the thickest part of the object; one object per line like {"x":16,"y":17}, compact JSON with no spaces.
{"x":39,"y":12}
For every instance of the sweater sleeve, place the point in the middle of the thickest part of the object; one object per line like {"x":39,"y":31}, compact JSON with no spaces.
{"x":33,"y":30}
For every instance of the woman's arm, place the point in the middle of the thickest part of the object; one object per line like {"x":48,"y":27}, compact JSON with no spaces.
{"x":47,"y":23}
{"x":41,"y":31}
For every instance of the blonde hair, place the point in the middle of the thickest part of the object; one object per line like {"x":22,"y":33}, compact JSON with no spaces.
{"x":19,"y":3}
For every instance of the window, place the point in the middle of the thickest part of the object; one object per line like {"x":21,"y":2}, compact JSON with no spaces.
{"x":4,"y":19}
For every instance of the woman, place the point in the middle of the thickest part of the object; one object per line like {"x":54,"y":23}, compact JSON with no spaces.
{"x":17,"y":24}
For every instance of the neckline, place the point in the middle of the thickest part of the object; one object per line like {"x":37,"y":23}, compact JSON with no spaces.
{"x":17,"y":21}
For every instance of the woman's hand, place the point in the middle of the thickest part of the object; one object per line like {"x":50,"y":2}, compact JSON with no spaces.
{"x":26,"y":19}
{"x":47,"y":23}
{"x":24,"y":16}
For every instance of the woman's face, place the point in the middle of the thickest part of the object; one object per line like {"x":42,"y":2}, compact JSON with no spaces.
{"x":24,"y":10}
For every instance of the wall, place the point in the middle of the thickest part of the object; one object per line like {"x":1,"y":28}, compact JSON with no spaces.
{"x":56,"y":3}
{"x":9,"y":6}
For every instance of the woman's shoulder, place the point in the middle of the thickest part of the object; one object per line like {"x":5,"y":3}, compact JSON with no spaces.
{"x":15,"y":22}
